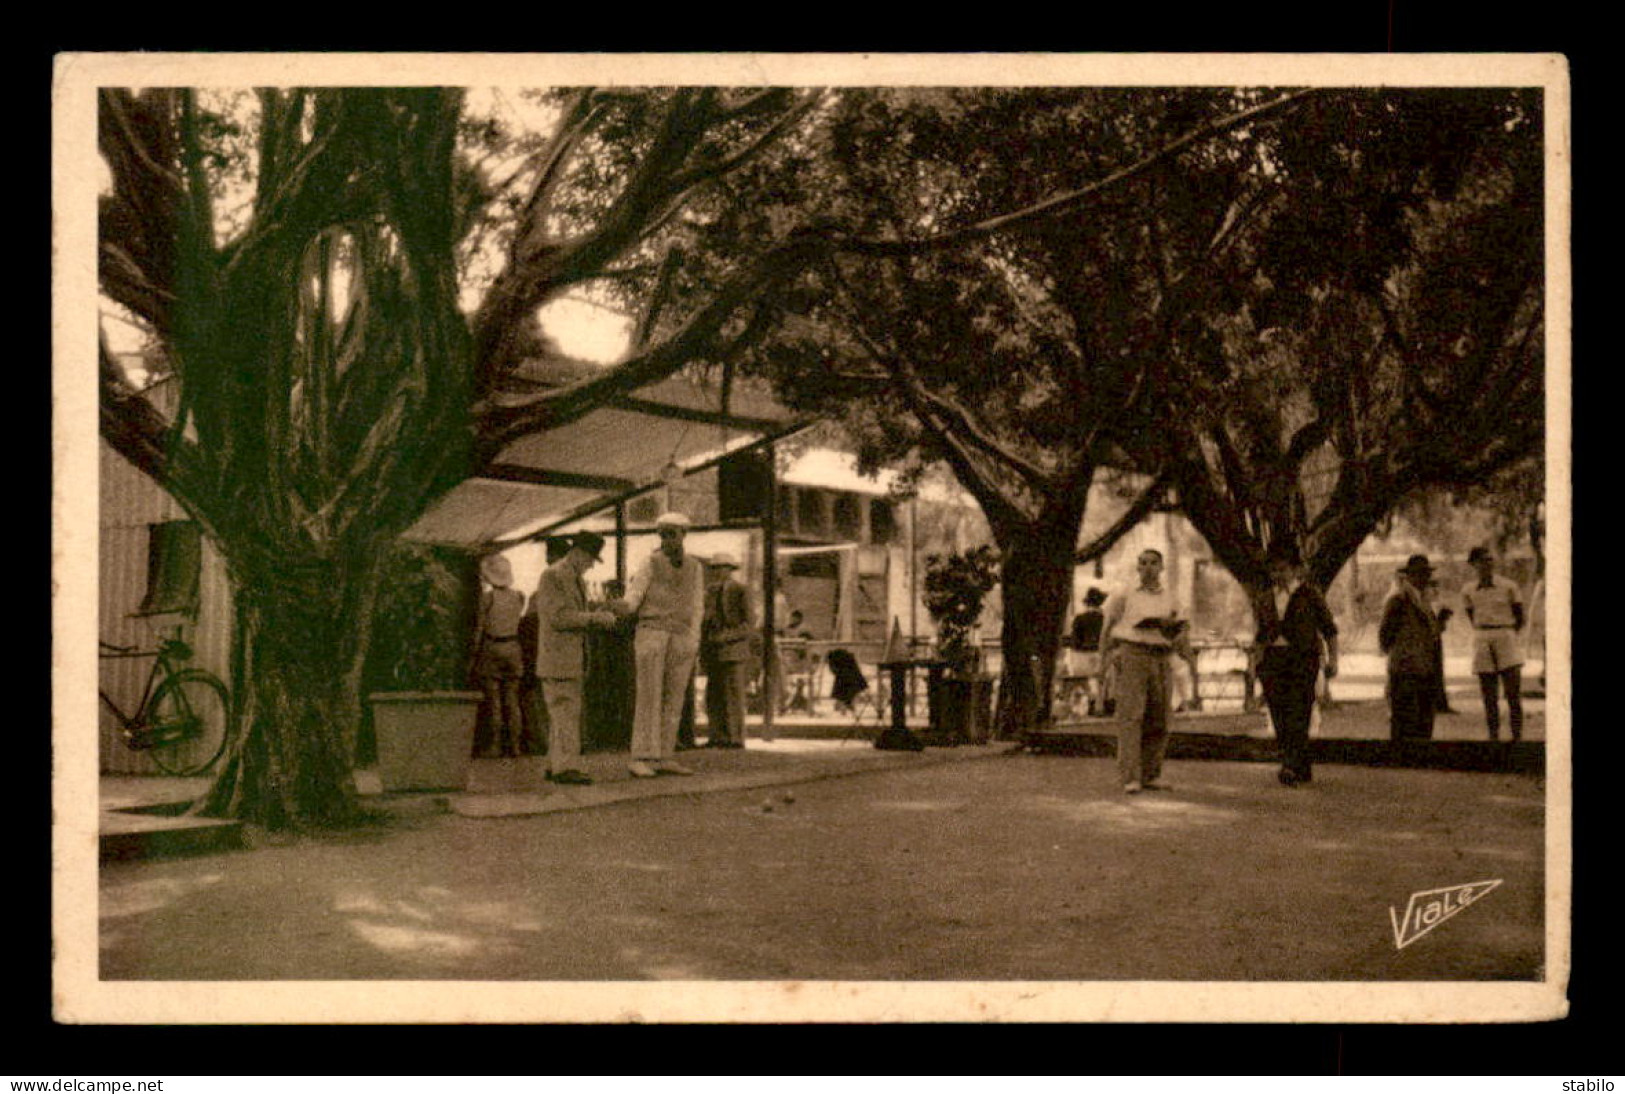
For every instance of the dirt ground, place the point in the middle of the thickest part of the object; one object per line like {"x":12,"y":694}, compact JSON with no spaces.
{"x":1008,"y":867}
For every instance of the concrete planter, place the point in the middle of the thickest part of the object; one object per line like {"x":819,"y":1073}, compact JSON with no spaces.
{"x":425,"y":738}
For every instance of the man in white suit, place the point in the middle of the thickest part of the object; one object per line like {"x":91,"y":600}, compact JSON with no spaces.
{"x":668,"y":596}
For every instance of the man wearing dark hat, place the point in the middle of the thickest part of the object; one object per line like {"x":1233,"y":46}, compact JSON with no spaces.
{"x":498,"y":664}
{"x":725,"y":651}
{"x":1495,"y":608}
{"x":531,"y":706}
{"x":563,"y":616}
{"x":1409,"y":634}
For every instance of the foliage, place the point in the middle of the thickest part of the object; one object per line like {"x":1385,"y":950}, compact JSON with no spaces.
{"x":1402,"y":354}
{"x":1504,"y":513}
{"x":424,"y":621}
{"x":956,"y":588}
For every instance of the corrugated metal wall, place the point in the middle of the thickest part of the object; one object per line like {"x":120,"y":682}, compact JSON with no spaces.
{"x":130,"y":501}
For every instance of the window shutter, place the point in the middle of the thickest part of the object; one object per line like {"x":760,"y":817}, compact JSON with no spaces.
{"x":174,"y":564}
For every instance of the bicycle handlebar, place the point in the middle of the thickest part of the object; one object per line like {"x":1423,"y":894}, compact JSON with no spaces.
{"x":116,"y":649}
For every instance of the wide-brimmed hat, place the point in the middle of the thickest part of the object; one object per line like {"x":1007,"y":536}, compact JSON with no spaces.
{"x":723,"y":558}
{"x":672,"y":520}
{"x":590,"y":542}
{"x":497,"y":570}
{"x":1417,"y":565}
{"x":1479,"y":553}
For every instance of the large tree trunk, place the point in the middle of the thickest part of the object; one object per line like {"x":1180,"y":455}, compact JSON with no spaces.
{"x":302,"y":631}
{"x":1037,"y":584}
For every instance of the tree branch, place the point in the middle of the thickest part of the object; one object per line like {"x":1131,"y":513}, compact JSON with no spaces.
{"x":755,"y":101}
{"x":1306,"y":440}
{"x":1072,"y":198}
{"x":130,"y":423}
{"x":500,"y":425}
{"x":693,"y":177}
{"x":954,"y":418}
{"x":1143,"y":507}
{"x":657,"y":298}
{"x":549,"y":165}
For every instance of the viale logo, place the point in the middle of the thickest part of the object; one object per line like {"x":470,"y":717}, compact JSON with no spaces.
{"x":1432,"y":907}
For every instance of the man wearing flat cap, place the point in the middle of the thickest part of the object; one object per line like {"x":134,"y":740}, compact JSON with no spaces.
{"x":1495,"y":608}
{"x":1408,"y":635}
{"x":725,"y":651}
{"x":498,"y":664}
{"x":563,"y":616}
{"x":668,"y":597}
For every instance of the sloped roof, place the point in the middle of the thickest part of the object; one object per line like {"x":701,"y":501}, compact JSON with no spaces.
{"x":629,"y":445}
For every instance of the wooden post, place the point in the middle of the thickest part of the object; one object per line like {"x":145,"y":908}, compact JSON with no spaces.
{"x":620,"y":543}
{"x":913,"y":574}
{"x":770,"y":593}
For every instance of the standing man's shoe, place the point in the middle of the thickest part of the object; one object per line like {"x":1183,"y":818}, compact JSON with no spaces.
{"x":571,"y":777}
{"x":1131,"y":788}
{"x":640,"y":770}
{"x":671,"y":767}
{"x":1288,"y":778}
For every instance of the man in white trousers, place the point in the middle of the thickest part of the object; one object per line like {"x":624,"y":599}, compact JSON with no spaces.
{"x":668,"y":597}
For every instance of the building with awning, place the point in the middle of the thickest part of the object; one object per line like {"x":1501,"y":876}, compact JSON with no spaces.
{"x":627,"y":447}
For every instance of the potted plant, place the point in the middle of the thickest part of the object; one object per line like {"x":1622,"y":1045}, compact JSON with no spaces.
{"x":422,"y":713}
{"x":961,"y":696}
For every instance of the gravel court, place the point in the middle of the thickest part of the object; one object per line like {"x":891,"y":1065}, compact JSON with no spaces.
{"x":1013,"y":867}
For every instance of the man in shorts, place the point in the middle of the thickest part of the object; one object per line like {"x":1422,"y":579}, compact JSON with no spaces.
{"x":1495,"y":607}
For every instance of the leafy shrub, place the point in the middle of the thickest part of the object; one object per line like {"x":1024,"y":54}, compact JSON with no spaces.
{"x":956,"y":588}
{"x":424,"y":621}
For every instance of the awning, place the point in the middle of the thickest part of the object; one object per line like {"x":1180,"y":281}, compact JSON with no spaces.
{"x":632,"y":444}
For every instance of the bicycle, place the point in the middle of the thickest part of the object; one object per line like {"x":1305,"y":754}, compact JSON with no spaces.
{"x":184,"y":718}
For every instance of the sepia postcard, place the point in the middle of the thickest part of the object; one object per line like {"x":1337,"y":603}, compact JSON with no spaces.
{"x":763,"y":461}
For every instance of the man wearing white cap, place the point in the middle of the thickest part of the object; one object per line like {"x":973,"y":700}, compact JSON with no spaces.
{"x":497,"y":660}
{"x":668,"y":596}
{"x":725,"y":651}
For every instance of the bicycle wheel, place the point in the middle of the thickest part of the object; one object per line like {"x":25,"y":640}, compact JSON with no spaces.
{"x":190,"y":717}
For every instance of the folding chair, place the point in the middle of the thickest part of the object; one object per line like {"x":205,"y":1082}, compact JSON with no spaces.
{"x":851,"y":688}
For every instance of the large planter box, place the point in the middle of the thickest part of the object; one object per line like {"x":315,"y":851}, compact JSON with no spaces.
{"x":425,"y":738}
{"x":961,"y":711}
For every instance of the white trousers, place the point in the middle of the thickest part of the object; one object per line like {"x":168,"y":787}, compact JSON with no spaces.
{"x":663,"y":663}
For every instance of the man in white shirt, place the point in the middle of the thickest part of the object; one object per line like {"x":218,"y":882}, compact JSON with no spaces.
{"x":1495,"y":607}
{"x":1142,"y":627}
{"x":668,"y":595}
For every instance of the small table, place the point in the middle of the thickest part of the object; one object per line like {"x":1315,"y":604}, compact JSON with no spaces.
{"x":899,"y":673}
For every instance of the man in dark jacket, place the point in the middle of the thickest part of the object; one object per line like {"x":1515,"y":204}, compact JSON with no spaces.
{"x":1409,"y":635}
{"x":1290,"y":661}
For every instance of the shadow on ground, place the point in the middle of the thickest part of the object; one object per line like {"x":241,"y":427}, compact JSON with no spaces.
{"x":1014,"y":867}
